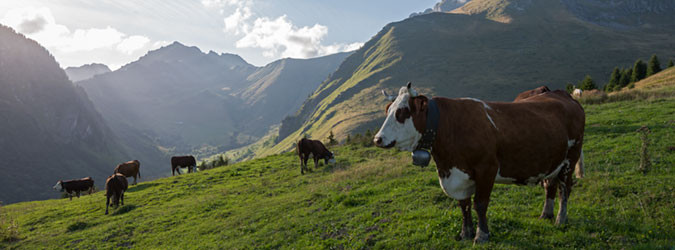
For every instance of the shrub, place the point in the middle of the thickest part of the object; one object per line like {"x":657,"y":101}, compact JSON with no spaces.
{"x":645,"y":162}
{"x":9,"y":229}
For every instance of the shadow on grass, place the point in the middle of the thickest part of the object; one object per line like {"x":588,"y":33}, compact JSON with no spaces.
{"x":77,"y":226}
{"x":141,"y":187}
{"x":124,"y":209}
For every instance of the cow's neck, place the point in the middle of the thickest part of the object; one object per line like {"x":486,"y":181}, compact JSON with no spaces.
{"x":444,"y":148}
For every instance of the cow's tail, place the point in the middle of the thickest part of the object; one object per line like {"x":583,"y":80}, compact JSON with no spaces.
{"x":139,"y":173}
{"x":579,"y":168}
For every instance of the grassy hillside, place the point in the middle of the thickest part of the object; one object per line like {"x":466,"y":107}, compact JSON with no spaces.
{"x":491,"y":49}
{"x":375,"y":198}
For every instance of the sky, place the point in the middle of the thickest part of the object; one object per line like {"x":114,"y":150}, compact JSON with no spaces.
{"x":117,"y":32}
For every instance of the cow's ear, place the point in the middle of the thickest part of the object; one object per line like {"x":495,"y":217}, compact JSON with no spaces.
{"x":418,"y":105}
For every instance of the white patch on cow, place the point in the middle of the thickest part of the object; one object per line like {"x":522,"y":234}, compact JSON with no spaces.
{"x":570,"y":143}
{"x":405,"y":135}
{"x":486,"y":107}
{"x":57,"y":186}
{"x":504,"y":180}
{"x":536,"y":179}
{"x":458,"y":185}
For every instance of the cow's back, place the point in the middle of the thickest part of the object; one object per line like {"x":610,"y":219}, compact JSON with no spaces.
{"x":186,"y":160}
{"x":129,"y":168}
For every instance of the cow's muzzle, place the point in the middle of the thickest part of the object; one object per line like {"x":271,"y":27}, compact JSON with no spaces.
{"x":378,"y":142}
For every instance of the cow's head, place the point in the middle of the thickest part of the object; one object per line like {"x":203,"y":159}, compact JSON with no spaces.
{"x":58,"y":186}
{"x":329,"y":159}
{"x":406,"y":118}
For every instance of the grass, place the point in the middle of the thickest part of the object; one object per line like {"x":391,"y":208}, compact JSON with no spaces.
{"x":374,"y":198}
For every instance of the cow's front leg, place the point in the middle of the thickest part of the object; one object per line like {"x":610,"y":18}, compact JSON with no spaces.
{"x":467,"y":223}
{"x":316,"y":162}
{"x":550,"y":186}
{"x":484,"y":184}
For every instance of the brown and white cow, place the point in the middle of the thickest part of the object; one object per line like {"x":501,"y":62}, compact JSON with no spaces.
{"x":178,"y":162}
{"x":316,"y":149}
{"x":481,"y":143}
{"x":75,"y":186}
{"x":115,"y":186}
{"x":129,"y":169}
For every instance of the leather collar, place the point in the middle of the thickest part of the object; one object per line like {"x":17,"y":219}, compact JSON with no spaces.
{"x":427,"y":140}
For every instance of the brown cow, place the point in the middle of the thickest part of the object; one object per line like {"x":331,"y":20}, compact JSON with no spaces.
{"x":129,"y":169}
{"x":479,"y":143}
{"x":317,"y":149}
{"x":77,"y":186}
{"x":529,"y":93}
{"x":182,"y":161}
{"x":115,"y":186}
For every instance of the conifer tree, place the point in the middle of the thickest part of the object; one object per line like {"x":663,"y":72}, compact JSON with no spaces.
{"x":670,"y":63}
{"x":625,"y":78}
{"x":613,"y":79}
{"x":587,"y":83}
{"x":639,"y":71}
{"x":654,"y":66}
{"x":331,"y":138}
{"x":569,"y":87}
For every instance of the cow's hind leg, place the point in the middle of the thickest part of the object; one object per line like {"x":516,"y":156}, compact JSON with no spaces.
{"x":565,"y":188}
{"x":551,"y":187}
{"x":134,"y":180}
{"x":107,"y":203}
{"x":467,"y":223}
{"x":122,"y":198}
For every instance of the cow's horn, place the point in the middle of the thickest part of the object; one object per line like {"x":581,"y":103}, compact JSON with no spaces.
{"x":411,"y":91}
{"x":389,"y":97}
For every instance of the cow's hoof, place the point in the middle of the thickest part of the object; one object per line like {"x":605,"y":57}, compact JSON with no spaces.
{"x":560,"y":221}
{"x":546,"y":216}
{"x":481,"y":237}
{"x":466,"y":235}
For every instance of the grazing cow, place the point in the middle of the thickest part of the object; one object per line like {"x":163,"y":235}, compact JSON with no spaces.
{"x":115,"y":186}
{"x":532,"y":92}
{"x":77,"y":186}
{"x":577,"y":93}
{"x":129,"y":169}
{"x":181,"y":162}
{"x":318,"y":151}
{"x":476,"y":144}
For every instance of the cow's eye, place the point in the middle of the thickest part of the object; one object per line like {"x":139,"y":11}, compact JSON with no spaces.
{"x":402,"y":114}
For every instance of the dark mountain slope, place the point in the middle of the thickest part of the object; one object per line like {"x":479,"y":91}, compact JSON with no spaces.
{"x":50,"y":130}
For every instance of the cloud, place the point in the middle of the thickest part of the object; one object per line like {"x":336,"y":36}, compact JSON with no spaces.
{"x":277,"y":37}
{"x":132,"y":44}
{"x":40,"y":25}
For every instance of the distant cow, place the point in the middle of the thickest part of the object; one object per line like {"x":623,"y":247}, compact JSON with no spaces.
{"x":115,"y":186}
{"x":532,"y":92}
{"x":181,"y":162}
{"x":77,"y":186}
{"x":318,"y":151}
{"x":476,"y":144}
{"x":577,"y":93}
{"x":130,"y":169}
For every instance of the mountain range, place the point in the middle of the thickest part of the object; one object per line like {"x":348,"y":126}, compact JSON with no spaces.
{"x":86,"y":71}
{"x":186,"y":101}
{"x":488,"y":49}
